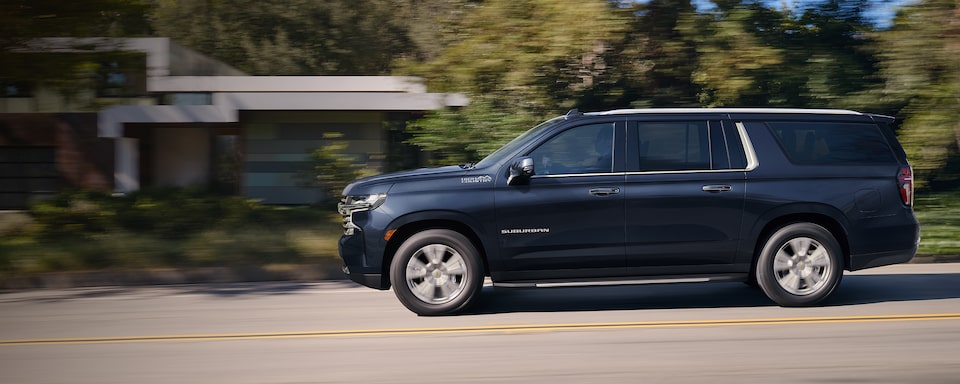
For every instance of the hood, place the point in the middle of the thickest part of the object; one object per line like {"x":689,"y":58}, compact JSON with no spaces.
{"x":380,"y":183}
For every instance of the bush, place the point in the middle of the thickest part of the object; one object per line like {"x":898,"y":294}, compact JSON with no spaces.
{"x":79,"y":230}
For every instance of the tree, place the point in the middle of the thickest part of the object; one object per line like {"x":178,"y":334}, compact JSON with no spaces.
{"x":466,"y":135}
{"x":332,"y":169}
{"x":735,"y":65}
{"x":753,"y":55}
{"x":654,"y":62}
{"x":519,"y":61}
{"x":22,"y":23}
{"x":921,"y":66}
{"x":24,"y":20}
{"x":291,"y":37}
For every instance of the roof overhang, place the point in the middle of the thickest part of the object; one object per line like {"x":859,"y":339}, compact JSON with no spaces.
{"x":272,"y":84}
{"x":226,"y":107}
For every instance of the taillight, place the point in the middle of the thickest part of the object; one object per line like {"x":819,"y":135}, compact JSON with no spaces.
{"x":905,"y":182}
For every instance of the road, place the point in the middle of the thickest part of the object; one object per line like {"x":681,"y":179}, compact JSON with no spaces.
{"x":894,"y":324}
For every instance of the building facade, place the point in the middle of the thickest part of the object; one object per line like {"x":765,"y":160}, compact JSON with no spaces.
{"x":169,"y":116}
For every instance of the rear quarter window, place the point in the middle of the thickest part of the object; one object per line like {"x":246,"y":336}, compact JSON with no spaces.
{"x":827,"y":143}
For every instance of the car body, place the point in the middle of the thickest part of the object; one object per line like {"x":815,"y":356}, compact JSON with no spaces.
{"x":782,"y":198}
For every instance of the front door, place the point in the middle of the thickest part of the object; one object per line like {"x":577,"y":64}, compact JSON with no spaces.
{"x":568,"y":220}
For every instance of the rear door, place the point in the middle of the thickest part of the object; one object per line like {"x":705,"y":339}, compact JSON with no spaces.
{"x":684,"y":194}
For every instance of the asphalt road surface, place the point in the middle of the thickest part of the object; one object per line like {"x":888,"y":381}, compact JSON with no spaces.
{"x":898,"y":324}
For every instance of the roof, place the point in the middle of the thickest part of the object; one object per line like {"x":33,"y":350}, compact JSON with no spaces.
{"x":727,"y":110}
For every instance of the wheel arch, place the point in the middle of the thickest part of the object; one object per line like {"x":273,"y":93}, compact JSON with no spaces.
{"x":826,"y":217}
{"x":407,"y":226}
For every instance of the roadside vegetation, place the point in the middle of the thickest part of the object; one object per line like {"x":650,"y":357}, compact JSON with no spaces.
{"x":939,"y":216}
{"x":179,"y":228}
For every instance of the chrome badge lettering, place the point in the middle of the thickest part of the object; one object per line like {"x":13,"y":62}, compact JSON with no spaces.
{"x":476,"y":179}
{"x":522,"y":231}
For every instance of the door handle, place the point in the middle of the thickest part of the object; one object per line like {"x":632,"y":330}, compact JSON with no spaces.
{"x":604,"y":191}
{"x":716,"y":188}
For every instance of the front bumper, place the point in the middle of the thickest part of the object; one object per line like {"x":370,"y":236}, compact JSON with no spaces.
{"x":352,"y":252}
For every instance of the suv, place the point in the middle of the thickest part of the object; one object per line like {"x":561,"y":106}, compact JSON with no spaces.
{"x":783,"y":199}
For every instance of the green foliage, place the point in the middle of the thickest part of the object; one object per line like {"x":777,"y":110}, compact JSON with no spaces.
{"x":332,"y":168}
{"x":468,"y":134}
{"x":291,"y":37}
{"x":922,"y":71}
{"x":161,"y":228}
{"x":538,"y":52}
{"x":520,"y":62}
{"x":69,"y":74}
{"x":939,"y":217}
{"x":734,"y":62}
{"x":22,"y":20}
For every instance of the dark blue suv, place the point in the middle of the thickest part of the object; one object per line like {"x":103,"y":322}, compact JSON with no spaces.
{"x":785,"y":199}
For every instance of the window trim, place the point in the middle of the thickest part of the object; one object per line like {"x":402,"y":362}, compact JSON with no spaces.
{"x":752,"y":161}
{"x":619,"y":129}
{"x":749,"y":152}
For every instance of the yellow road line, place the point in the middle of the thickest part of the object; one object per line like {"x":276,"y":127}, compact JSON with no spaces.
{"x":487,"y":329}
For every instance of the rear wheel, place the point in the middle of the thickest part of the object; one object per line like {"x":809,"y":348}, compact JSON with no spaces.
{"x":799,"y":265}
{"x":436,"y":272}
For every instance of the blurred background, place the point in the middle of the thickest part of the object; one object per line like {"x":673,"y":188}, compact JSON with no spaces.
{"x":202,"y":133}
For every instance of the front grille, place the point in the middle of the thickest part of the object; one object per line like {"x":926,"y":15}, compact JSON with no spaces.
{"x":346,"y":215}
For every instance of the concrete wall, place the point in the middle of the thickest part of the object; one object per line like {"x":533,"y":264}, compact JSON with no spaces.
{"x":277,"y":146}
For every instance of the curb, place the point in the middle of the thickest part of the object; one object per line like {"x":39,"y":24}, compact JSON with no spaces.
{"x":170,"y":276}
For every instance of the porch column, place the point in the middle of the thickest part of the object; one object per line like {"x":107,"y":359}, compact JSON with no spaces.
{"x":126,"y":169}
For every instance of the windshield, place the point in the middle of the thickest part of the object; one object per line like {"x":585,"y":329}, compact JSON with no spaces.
{"x":508,"y":148}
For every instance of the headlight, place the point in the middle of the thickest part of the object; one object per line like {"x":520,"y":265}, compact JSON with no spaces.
{"x":351,"y":204}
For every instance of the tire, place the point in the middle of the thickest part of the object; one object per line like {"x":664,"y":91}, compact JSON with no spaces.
{"x":800,"y":265}
{"x":436,"y":272}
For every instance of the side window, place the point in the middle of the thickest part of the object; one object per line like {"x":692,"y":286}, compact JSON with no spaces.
{"x":674,"y":146}
{"x":821,"y":143}
{"x":583,"y":149}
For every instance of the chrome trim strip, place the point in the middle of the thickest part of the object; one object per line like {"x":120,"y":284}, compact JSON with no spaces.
{"x":606,"y":283}
{"x":578,"y":175}
{"x":684,"y":172}
{"x":752,"y":161}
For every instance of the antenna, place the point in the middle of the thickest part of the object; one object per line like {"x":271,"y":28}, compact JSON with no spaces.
{"x":574,"y":113}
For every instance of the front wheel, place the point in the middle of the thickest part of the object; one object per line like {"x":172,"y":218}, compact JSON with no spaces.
{"x":800,"y":265}
{"x":436,"y":272}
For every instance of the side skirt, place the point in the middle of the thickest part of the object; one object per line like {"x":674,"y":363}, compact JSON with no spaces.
{"x":556,"y":283}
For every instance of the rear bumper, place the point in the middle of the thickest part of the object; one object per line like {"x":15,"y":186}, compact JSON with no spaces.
{"x":886,"y":241}
{"x":880,"y":259}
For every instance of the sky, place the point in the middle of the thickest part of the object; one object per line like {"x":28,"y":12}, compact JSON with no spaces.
{"x":881,"y":12}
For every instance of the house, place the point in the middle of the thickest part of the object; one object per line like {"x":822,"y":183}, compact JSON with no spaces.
{"x":163,"y":115}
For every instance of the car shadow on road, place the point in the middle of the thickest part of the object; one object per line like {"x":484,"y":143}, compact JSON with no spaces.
{"x":853,"y":290}
{"x":880,"y":288}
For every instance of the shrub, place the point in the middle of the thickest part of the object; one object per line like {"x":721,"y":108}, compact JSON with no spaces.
{"x":161,"y":228}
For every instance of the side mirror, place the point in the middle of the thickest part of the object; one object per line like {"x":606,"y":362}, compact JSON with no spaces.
{"x":521,"y":171}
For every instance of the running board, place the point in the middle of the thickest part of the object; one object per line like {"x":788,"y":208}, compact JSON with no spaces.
{"x":624,"y":281}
